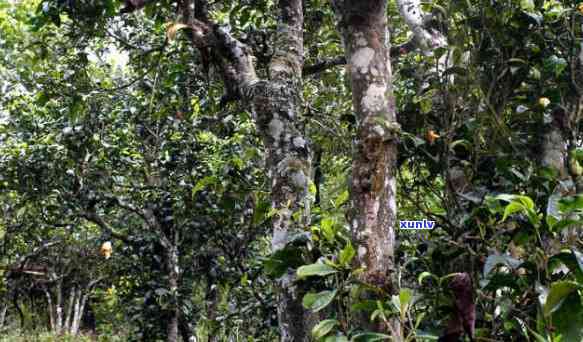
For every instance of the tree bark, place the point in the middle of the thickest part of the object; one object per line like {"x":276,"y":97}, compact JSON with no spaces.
{"x":70,"y":309}
{"x":77,"y":313}
{"x":276,"y":108}
{"x":3,"y":311}
{"x":173,"y":274}
{"x":51,"y":310}
{"x":363,"y":27}
{"x":59,"y":307}
{"x":426,"y":38}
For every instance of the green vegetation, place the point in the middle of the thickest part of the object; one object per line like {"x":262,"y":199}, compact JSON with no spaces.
{"x":181,"y":171}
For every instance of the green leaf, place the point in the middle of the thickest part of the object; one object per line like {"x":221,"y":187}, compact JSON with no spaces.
{"x":405,"y":297}
{"x":279,"y":262}
{"x":525,"y":200}
{"x":312,"y":188}
{"x":337,"y":338}
{"x":568,"y":319}
{"x":426,"y":274}
{"x":527,"y":5}
{"x":538,"y":337}
{"x":323,"y":328}
{"x":557,"y":294}
{"x":512,"y":208}
{"x":203,"y":183}
{"x":557,"y":226}
{"x":364,"y":305}
{"x":370,"y":337}
{"x":346,"y":255}
{"x":341,"y":199}
{"x":317,"y":269}
{"x":571,"y":204}
{"x":327,"y":228}
{"x":555,"y":64}
{"x":577,"y":154}
{"x":318,"y":301}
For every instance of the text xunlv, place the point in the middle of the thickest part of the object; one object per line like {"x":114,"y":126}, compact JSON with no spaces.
{"x":425,"y":224}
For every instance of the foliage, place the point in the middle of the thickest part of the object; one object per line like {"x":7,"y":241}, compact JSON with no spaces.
{"x":112,"y":129}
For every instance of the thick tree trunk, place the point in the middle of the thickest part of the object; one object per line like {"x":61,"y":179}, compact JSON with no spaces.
{"x":363,"y":27}
{"x":277,"y":110}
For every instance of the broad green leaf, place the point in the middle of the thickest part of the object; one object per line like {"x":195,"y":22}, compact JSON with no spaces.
{"x":512,"y":208}
{"x":568,"y":319}
{"x":279,"y":262}
{"x":557,"y":294}
{"x":317,"y":269}
{"x":323,"y":328}
{"x":318,"y":301}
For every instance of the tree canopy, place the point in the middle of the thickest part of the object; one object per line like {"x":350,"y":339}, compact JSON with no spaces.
{"x":197,"y":170}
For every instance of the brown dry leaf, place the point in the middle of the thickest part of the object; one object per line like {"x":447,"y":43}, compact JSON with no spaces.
{"x":173,"y":28}
{"x":431,"y":136}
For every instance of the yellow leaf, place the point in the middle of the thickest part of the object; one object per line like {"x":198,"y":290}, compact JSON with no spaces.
{"x":173,"y":29}
{"x":106,"y":249}
{"x":544,"y":101}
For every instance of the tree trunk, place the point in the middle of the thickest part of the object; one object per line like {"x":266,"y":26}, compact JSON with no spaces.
{"x":363,"y":27}
{"x":186,"y":330}
{"x":78,"y":312}
{"x":70,"y":307}
{"x":277,"y":109}
{"x":173,"y":274}
{"x":18,"y":309}
{"x":3,"y":311}
{"x":59,"y":308}
{"x":51,"y":310}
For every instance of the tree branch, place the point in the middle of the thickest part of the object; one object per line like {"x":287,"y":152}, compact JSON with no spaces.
{"x":427,"y":39}
{"x":98,"y":220}
{"x":396,"y":52}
